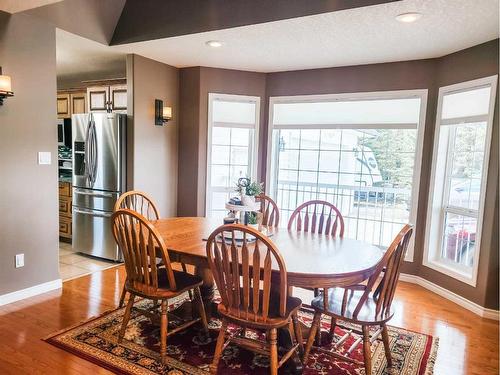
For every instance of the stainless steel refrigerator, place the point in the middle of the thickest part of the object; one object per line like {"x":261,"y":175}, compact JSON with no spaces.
{"x":99,"y":177}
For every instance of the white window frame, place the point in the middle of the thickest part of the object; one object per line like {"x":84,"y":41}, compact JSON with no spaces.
{"x":253,"y":149}
{"x":376,"y":95}
{"x":435,"y":212}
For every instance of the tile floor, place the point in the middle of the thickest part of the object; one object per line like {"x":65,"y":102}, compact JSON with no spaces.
{"x":73,"y":265}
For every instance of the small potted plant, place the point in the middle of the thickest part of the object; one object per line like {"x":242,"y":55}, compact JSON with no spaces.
{"x":248,"y":190}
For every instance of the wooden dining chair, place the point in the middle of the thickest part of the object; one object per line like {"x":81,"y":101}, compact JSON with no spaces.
{"x":141,"y":244}
{"x":317,"y":216}
{"x":364,"y":305}
{"x":253,"y":294}
{"x":140,"y":202}
{"x":269,"y":210}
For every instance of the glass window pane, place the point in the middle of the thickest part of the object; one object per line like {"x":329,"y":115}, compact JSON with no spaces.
{"x":220,"y":175}
{"x":240,"y":137}
{"x":237,"y":172}
{"x":459,"y":239}
{"x":289,"y":159}
{"x":221,"y":136}
{"x":390,"y":111}
{"x":239,"y":155}
{"x":367,"y":174}
{"x":219,"y":200}
{"x":466,"y":103}
{"x":466,"y":164}
{"x":220,"y":154}
{"x":233,"y":112}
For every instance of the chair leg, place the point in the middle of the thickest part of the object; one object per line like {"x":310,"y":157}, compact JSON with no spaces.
{"x":218,"y":348}
{"x":126,"y":318}
{"x":297,"y":329}
{"x":318,"y":333}
{"x":387,"y":349}
{"x":201,"y":308}
{"x":122,"y":297}
{"x":312,"y":334}
{"x":333,"y":324}
{"x":163,"y":331}
{"x":273,"y":347}
{"x":367,"y":353}
{"x":184,"y":269}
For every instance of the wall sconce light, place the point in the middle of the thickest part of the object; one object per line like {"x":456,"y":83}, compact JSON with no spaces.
{"x":5,"y":87}
{"x":162,"y":114}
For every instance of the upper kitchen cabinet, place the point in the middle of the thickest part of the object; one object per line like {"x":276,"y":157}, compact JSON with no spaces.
{"x":107,"y":98}
{"x":78,"y":102}
{"x":69,"y":103}
{"x":63,"y":105}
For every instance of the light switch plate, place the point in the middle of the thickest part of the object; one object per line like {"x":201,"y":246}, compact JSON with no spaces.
{"x":19,"y":260}
{"x":44,"y":157}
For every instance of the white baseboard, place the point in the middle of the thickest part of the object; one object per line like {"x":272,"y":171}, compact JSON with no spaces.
{"x":30,"y":292}
{"x":453,"y":297}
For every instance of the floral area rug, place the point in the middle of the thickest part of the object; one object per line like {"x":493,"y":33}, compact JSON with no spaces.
{"x":191,"y":351}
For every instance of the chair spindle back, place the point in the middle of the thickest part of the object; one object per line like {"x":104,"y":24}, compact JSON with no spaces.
{"x":390,"y":265}
{"x":317,"y":216}
{"x":269,"y":210}
{"x":242,"y":261}
{"x":139,"y":202}
{"x":139,"y":241}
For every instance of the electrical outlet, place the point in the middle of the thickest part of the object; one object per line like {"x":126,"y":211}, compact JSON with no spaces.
{"x":19,"y":260}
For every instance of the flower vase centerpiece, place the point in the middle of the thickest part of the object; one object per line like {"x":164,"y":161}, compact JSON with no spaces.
{"x":248,"y":191}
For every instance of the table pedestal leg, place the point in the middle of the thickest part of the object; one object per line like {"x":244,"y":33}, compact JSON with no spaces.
{"x":207,"y":290}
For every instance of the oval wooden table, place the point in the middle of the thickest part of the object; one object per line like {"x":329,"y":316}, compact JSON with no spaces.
{"x":312,"y":260}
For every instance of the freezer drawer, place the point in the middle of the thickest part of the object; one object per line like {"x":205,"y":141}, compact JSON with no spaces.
{"x":92,"y":233}
{"x":94,"y":199}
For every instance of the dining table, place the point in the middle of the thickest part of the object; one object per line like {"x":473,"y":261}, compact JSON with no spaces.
{"x":313,"y":260}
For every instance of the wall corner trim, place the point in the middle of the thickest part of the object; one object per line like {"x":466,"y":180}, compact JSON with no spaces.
{"x":30,"y":292}
{"x":453,"y":297}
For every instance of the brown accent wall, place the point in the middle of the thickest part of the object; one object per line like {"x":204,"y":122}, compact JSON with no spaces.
{"x":28,"y":191}
{"x":430,"y":74}
{"x":153,"y":158}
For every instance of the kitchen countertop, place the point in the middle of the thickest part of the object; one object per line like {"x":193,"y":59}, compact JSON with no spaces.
{"x":65,"y":179}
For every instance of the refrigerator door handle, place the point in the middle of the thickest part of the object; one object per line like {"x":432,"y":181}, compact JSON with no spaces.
{"x":100,"y":195}
{"x":86,"y":150}
{"x":93,"y":150}
{"x":92,"y":213}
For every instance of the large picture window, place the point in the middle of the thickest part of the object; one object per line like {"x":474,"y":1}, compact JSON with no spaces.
{"x":360,"y":152}
{"x":233,"y":122}
{"x":462,"y":143}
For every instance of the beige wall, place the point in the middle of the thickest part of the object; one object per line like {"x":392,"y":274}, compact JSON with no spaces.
{"x":28,"y":191}
{"x":153,"y":157}
{"x":92,"y":19}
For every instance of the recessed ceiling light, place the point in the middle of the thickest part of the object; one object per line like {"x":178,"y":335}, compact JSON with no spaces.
{"x":408,"y":17}
{"x":214,"y":43}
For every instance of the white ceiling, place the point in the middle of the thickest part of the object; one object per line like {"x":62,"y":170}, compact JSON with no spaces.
{"x":14,"y":6}
{"x":81,"y":59}
{"x":351,"y":37}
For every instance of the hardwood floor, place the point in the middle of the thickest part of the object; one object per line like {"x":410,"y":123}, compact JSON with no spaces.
{"x":468,"y":344}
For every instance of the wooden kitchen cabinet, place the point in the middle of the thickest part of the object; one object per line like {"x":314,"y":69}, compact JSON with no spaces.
{"x":78,"y":102}
{"x":65,"y":211}
{"x":70,"y":103}
{"x":107,"y":98}
{"x":63,"y":105}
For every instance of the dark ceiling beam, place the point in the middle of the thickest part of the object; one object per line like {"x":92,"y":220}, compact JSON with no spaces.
{"x":155,"y":19}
